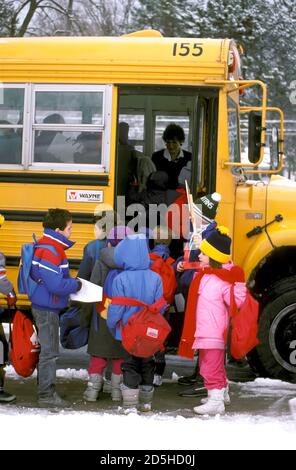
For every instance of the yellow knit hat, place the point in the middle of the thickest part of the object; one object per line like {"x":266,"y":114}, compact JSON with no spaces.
{"x":217,"y":245}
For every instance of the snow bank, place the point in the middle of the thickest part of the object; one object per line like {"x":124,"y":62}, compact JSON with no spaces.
{"x":101,"y":431}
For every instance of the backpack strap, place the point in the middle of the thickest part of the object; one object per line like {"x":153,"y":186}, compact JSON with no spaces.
{"x":233,"y":309}
{"x":48,"y":247}
{"x":131,"y":302}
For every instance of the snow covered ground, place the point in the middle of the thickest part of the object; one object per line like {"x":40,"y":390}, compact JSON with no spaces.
{"x":272,"y":426}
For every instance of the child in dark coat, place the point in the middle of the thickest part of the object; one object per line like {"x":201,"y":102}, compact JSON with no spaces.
{"x":162,"y":238}
{"x":139,"y":282}
{"x":101,"y":345}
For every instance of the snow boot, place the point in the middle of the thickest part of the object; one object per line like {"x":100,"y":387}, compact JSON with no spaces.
{"x":145,"y":398}
{"x":94,"y":385}
{"x":6,"y":397}
{"x":130,"y":399}
{"x":214,"y":404}
{"x":106,"y":385}
{"x":226,"y":397}
{"x":157,"y":380}
{"x":115,"y":387}
{"x":191,"y":379}
{"x":53,"y":400}
{"x":197,"y":390}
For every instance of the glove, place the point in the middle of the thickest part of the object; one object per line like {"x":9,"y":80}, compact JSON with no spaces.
{"x":79,"y":284}
{"x":11,"y":299}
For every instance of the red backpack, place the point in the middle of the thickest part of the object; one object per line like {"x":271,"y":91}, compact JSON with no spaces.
{"x":145,"y":331}
{"x":25,"y":348}
{"x":244,"y":326}
{"x":166,"y":271}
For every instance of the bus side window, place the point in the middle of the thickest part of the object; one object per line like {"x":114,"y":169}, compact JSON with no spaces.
{"x":10,"y":145}
{"x":89,"y":148}
{"x":68,"y":125}
{"x":11,"y":125}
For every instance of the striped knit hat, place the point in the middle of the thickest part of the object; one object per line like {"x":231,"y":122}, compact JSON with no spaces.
{"x":217,"y":245}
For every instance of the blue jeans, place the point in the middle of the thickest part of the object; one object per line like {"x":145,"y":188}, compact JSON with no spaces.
{"x":47,"y":323}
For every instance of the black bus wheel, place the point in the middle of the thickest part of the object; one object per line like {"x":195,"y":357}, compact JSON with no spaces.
{"x":275,"y":355}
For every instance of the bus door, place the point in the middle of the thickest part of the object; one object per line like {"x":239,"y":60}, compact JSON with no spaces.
{"x":143,"y":114}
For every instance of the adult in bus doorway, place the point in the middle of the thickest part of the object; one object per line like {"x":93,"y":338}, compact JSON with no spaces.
{"x":172,"y":158}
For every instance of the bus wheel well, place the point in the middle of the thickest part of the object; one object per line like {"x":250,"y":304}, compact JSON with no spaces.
{"x":275,"y":274}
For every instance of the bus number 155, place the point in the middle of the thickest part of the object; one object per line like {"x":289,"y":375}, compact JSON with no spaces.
{"x":186,"y":48}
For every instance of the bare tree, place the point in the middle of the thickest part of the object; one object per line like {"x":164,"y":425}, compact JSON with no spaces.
{"x":25,"y":13}
{"x":107,"y":17}
{"x":68,"y":17}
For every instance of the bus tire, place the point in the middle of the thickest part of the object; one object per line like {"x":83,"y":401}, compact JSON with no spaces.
{"x":275,"y":355}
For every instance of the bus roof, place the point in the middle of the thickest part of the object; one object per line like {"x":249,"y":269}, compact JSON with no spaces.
{"x":125,"y":59}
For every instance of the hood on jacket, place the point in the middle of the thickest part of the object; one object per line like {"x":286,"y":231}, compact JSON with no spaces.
{"x":132,"y":253}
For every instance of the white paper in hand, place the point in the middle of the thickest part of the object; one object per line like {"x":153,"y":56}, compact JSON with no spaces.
{"x":89,"y":292}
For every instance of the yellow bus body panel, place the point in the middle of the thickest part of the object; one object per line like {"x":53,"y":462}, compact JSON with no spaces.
{"x":250,"y":208}
{"x":111,"y":60}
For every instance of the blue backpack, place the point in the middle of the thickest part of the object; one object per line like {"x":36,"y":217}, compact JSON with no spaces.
{"x":25,"y":283}
{"x":72,"y":335}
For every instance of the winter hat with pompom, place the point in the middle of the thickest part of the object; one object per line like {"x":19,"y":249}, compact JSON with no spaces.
{"x":206,"y":206}
{"x":217,"y":245}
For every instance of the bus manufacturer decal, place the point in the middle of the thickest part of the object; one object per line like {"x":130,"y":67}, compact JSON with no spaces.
{"x":84,"y":195}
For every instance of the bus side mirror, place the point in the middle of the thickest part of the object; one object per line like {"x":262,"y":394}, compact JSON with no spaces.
{"x":275,"y":148}
{"x":254,"y":136}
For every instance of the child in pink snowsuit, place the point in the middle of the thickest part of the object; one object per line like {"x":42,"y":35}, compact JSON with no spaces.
{"x":210,"y":297}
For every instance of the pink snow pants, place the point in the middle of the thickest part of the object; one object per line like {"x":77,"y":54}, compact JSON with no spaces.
{"x":211,"y":368}
{"x":97,"y":365}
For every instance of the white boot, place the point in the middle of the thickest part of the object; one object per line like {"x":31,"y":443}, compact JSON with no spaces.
{"x":145,"y":397}
{"x":94,"y":385}
{"x":115,"y":387}
{"x":226,"y":397}
{"x":214,"y":404}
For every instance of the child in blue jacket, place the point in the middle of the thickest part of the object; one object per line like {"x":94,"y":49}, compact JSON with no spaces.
{"x":139,"y":282}
{"x":51,"y":270}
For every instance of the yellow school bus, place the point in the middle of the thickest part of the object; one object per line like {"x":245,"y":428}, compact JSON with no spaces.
{"x":61,"y":104}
